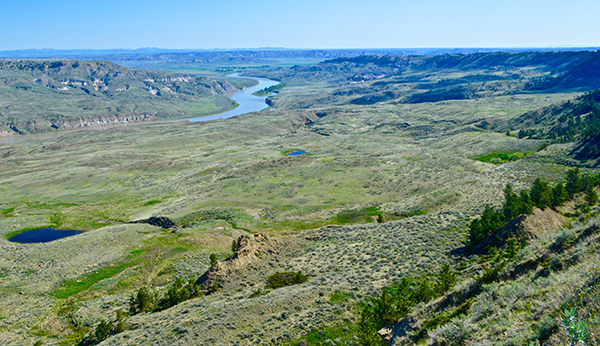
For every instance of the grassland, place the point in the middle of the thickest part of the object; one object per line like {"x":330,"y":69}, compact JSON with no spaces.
{"x":385,"y":190}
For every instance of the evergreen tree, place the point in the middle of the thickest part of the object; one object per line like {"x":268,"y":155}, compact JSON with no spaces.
{"x":511,"y":207}
{"x":559,"y":195}
{"x":175,"y":294}
{"x":591,"y":197}
{"x":525,"y":204}
{"x":142,"y":302}
{"x":102,"y":331}
{"x":574,"y":184}
{"x":446,"y":279}
{"x":489,"y":221}
{"x":121,"y":323}
{"x":540,"y":194}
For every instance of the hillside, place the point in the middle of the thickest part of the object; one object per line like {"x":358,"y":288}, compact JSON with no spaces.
{"x":39,"y":96}
{"x":574,"y":121}
{"x":210,"y":233}
{"x":372,"y":79}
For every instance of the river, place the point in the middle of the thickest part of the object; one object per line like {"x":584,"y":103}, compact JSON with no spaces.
{"x":247,"y":102}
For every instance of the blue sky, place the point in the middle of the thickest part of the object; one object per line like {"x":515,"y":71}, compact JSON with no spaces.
{"x":67,"y":24}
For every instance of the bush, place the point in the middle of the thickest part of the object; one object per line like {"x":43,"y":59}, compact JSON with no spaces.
{"x":282,"y":279}
{"x":444,"y":318}
{"x":257,"y":293}
{"x":213,"y":259}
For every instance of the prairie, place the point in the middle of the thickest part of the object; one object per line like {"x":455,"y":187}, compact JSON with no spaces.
{"x":387,"y":188}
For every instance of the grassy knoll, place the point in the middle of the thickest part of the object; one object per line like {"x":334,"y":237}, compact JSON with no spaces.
{"x":501,"y":157}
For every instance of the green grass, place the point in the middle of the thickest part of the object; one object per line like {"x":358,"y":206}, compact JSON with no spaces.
{"x":152,"y":258}
{"x":72,"y":287}
{"x":344,"y":331}
{"x":339,"y":297}
{"x":363,"y":215}
{"x":7,"y":212}
{"x":501,"y":157}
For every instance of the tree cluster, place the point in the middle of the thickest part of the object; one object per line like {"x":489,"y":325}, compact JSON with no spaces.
{"x":540,"y":195}
{"x":145,"y":301}
{"x":579,"y":121}
{"x":396,"y":301}
{"x":105,"y":328}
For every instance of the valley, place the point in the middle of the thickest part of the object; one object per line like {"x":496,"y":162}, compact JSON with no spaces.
{"x":401,"y":153}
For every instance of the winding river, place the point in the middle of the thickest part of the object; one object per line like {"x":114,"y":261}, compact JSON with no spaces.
{"x":247,"y":102}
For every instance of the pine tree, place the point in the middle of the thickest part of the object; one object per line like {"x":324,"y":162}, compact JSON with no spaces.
{"x":540,"y":194}
{"x":511,"y":208}
{"x":591,"y":197}
{"x":446,"y":279}
{"x":574,"y":183}
{"x":559,"y":195}
{"x":525,"y":204}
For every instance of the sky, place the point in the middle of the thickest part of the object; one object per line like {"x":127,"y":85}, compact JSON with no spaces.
{"x":201,"y":24}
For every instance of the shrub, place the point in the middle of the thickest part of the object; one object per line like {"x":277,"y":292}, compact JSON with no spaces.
{"x":577,"y":331}
{"x":282,"y":279}
{"x":444,"y":318}
{"x":256,"y":293}
{"x":213,"y":259}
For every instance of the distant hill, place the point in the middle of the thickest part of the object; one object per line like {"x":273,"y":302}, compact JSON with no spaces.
{"x":583,"y":75}
{"x":187,"y":55}
{"x":371,"y":79}
{"x":572,"y":121}
{"x":38,"y":96}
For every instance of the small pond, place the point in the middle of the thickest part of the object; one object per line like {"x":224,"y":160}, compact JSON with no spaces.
{"x":43,"y":235}
{"x":296,"y":153}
